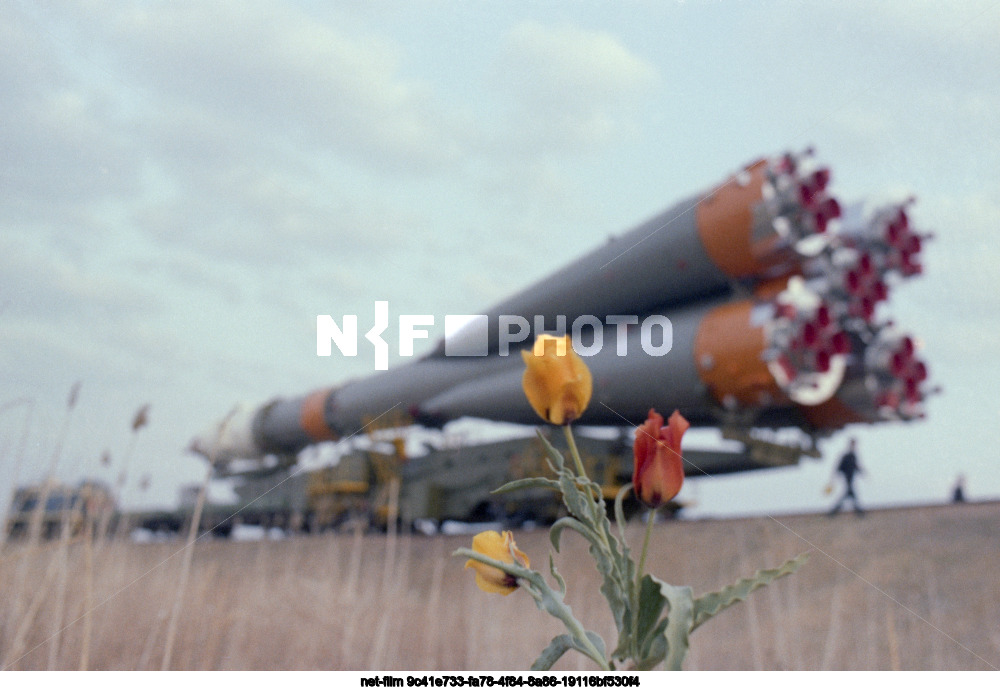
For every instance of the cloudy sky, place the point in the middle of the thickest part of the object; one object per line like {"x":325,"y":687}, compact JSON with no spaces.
{"x":185,"y":186}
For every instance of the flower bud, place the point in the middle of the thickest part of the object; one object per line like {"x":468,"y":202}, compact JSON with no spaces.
{"x":659,"y":467}
{"x":502,"y":548}
{"x":556,"y":380}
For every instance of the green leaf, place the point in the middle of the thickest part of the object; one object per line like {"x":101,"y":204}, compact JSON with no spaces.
{"x":584,"y":500}
{"x":597,"y":642}
{"x":556,"y":461}
{"x":620,"y":511}
{"x":528,"y":483}
{"x":558,"y":647}
{"x":651,"y":603}
{"x":555,"y":532}
{"x":589,"y":518}
{"x":551,"y":601}
{"x":555,"y":574}
{"x":666,"y":638}
{"x":580,"y":502}
{"x":618,"y":599}
{"x":680,"y":600}
{"x":657,"y":650}
{"x":615,"y":574}
{"x":618,"y":572}
{"x":707,"y":606}
{"x":553,"y":651}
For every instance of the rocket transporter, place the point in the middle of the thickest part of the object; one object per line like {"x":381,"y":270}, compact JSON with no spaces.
{"x":750,"y":306}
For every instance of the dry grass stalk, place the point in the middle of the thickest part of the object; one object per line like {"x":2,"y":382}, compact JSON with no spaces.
{"x":350,"y":604}
{"x":890,"y":633}
{"x":168,"y":646}
{"x":58,"y":618}
{"x":833,"y":631}
{"x":38,"y":515}
{"x":88,"y":602}
{"x":27,"y":620}
{"x":122,"y":528}
{"x":391,"y":533}
{"x":430,"y":615}
{"x":69,"y":520}
{"x":316,"y":602}
{"x":29,"y":404}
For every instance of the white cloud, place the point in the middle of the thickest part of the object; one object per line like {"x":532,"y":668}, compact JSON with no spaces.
{"x":567,"y":64}
{"x":573,"y":89}
{"x":39,"y":281}
{"x":269,"y":68}
{"x":970,"y":24}
{"x":56,"y":147}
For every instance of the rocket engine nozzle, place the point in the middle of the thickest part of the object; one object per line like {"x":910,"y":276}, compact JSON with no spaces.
{"x":888,"y":236}
{"x":806,"y":345}
{"x":897,"y":375}
{"x":796,"y":200}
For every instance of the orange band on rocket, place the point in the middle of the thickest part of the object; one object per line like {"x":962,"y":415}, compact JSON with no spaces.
{"x":312,"y":418}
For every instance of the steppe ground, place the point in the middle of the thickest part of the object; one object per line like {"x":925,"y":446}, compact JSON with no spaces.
{"x":913,"y":588}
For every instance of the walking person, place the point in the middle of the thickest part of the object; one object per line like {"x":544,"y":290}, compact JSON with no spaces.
{"x":958,"y":492}
{"x":849,"y":467}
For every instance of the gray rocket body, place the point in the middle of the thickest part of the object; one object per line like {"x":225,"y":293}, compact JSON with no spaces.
{"x":772,"y":322}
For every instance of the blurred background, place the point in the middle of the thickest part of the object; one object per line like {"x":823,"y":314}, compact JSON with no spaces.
{"x":185,"y":186}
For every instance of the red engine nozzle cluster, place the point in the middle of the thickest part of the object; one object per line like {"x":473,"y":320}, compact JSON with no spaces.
{"x":806,"y":337}
{"x":899,"y":376}
{"x":860,"y":260}
{"x":887,"y":236}
{"x":848,"y":272}
{"x":800,"y":198}
{"x":864,"y":286}
{"x":817,"y":340}
{"x":903,"y":245}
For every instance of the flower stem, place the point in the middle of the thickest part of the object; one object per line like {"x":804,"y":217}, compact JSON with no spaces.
{"x":601,"y":528}
{"x":638,"y":577}
{"x":645,"y":546}
{"x":574,"y":452}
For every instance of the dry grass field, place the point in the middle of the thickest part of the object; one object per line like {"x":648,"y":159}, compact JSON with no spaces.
{"x":900,"y":589}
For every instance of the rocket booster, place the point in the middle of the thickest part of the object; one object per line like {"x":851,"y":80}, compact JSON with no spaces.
{"x":765,"y":290}
{"x":390,"y":398}
{"x":747,"y":227}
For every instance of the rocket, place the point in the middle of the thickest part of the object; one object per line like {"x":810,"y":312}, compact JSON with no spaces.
{"x":753,"y":304}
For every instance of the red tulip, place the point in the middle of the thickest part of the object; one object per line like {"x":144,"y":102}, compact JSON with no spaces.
{"x":659,"y":468}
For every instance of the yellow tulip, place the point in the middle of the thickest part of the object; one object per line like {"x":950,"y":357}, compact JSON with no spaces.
{"x":502,"y":548}
{"x":556,"y":380}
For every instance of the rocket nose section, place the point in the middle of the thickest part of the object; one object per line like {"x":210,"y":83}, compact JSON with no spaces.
{"x":229,"y":439}
{"x":201,"y":445}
